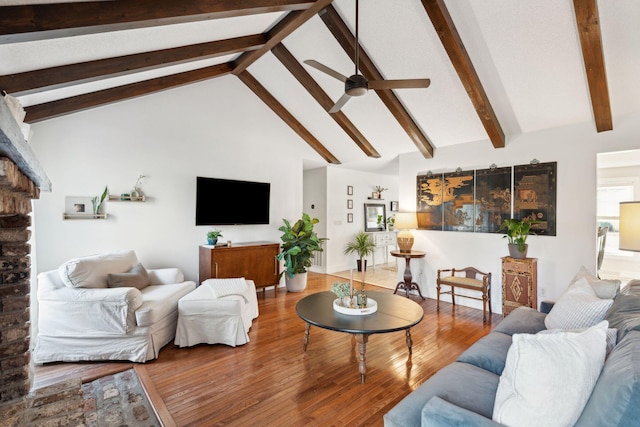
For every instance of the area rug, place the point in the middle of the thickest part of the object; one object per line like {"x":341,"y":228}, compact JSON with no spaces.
{"x":117,"y":400}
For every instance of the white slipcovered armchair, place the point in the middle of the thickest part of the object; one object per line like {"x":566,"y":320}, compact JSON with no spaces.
{"x":107,"y":307}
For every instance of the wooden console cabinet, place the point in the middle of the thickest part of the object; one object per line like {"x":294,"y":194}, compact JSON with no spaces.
{"x":252,"y":260}
{"x":519,"y":283}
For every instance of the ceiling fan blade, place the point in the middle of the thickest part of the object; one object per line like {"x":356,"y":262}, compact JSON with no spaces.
{"x":326,"y":70}
{"x":399,"y":84}
{"x":343,"y":100}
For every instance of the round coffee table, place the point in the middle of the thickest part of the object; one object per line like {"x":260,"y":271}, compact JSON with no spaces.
{"x":394,"y":313}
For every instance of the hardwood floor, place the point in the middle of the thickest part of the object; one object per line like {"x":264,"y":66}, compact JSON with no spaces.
{"x":271,"y":381}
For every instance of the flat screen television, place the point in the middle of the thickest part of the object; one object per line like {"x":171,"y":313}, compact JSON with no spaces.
{"x":231,"y":202}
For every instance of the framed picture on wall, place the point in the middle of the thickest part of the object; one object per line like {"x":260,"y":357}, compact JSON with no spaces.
{"x":393,"y":206}
{"x":349,"y":204}
{"x":349,"y":190}
{"x":349,"y":217}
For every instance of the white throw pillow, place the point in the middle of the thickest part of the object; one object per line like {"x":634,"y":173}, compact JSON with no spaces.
{"x":92,"y":271}
{"x":548,"y":378}
{"x":578,"y":307}
{"x":605,"y":289}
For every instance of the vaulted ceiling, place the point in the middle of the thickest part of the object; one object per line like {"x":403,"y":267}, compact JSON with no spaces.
{"x":498,"y":68}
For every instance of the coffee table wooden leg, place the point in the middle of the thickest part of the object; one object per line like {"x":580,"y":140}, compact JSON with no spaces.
{"x":362,"y":347}
{"x":307,"y":328}
{"x":409,"y":342}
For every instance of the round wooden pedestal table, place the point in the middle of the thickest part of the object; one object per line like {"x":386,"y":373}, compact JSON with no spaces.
{"x":408,"y":283}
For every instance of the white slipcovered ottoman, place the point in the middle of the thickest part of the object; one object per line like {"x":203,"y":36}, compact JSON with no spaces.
{"x":219,"y":311}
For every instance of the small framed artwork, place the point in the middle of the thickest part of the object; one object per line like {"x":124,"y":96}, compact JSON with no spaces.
{"x":349,"y":190}
{"x":393,"y":206}
{"x":78,"y":205}
{"x":349,"y":217}
{"x":349,"y":204}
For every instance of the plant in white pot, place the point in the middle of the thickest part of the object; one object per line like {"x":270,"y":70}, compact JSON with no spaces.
{"x":363,"y":245}
{"x":517,"y":232}
{"x":299,"y":242}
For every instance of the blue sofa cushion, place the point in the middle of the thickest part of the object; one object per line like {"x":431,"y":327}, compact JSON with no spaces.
{"x":615,"y":400}
{"x":522,"y":320}
{"x":489,"y":352}
{"x":440,"y":413}
{"x":462,"y":384}
{"x":624,"y":314}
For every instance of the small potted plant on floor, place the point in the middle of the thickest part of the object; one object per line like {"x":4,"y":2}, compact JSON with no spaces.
{"x":517,"y":232}
{"x":212,"y":236}
{"x":299,"y":242}
{"x":363,"y":245}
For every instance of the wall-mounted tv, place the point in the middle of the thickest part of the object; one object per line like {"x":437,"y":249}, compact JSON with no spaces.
{"x":231,"y":202}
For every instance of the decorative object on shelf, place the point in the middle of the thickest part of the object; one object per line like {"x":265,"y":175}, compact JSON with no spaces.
{"x":363,"y":245}
{"x":517,"y":232}
{"x":372,"y":211}
{"x":299,"y":242}
{"x":344,"y":292}
{"x":78,"y":208}
{"x":630,"y":226}
{"x":391,"y":221}
{"x":125,"y":196}
{"x":405,"y":221}
{"x":393,"y":206}
{"x":212,"y":236}
{"x":378,"y":193}
{"x":97,"y":201}
{"x":136,"y":192}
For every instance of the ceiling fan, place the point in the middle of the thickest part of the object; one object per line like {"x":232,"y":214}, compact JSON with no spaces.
{"x":357,"y":84}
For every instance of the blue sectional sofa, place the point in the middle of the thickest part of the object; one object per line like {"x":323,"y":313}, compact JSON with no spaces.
{"x":463,"y":393}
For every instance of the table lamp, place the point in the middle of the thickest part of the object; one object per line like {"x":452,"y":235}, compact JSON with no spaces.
{"x":630,"y":226}
{"x":405,"y":221}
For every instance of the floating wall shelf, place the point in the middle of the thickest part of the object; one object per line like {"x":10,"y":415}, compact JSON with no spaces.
{"x":84,"y":216}
{"x":116,"y":198}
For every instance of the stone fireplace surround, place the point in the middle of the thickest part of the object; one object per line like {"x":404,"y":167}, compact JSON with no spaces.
{"x":21,"y":179}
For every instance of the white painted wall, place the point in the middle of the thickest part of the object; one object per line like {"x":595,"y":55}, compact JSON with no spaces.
{"x":167,"y":138}
{"x":340,"y":231}
{"x":574,"y":148}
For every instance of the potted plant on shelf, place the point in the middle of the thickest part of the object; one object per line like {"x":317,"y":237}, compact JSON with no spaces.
{"x":212,"y":236}
{"x":299,"y":242}
{"x":379,"y":189}
{"x":517,"y":232}
{"x":363,"y":245}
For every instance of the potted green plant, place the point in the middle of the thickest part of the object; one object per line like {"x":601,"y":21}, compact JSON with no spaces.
{"x":299,"y":242}
{"x":391,"y":222}
{"x":97,"y":201}
{"x":363,"y":245}
{"x":517,"y":232}
{"x":212,"y":236}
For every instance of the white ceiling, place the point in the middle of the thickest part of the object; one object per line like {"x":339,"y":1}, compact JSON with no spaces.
{"x":526,"y":53}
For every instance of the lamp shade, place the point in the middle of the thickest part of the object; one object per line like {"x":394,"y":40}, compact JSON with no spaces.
{"x":406,"y":221}
{"x":630,"y":226}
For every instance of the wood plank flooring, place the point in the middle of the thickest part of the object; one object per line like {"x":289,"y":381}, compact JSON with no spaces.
{"x":271,"y":381}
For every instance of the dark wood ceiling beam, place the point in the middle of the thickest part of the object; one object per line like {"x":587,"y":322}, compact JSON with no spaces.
{"x":60,"y":107}
{"x":588,"y":21}
{"x":448,"y":34}
{"x":109,"y":67}
{"x":314,"y":89}
{"x":345,"y":37}
{"x":287,"y":25}
{"x":42,"y":21}
{"x":282,"y":112}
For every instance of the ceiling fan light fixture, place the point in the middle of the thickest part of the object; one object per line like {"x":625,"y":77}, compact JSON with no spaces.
{"x":356,"y":85}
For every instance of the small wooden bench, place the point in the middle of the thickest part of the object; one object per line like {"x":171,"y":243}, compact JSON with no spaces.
{"x":472,"y":279}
